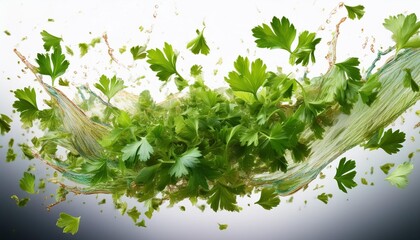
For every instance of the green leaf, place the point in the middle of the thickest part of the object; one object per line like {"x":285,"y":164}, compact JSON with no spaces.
{"x":110,"y":87}
{"x":20,"y":202}
{"x":268,"y":199}
{"x":83,"y":47}
{"x":404,"y":30}
{"x":222,"y":198}
{"x":324,"y":197}
{"x":68,"y":223}
{"x":305,"y":50}
{"x":344,"y":175}
{"x":196,"y":70}
{"x":63,"y":82}
{"x":54,"y":65}
{"x":386,"y":167}
{"x":355,"y":12}
{"x":188,"y":159}
{"x":390,"y":141}
{"x":281,"y":34}
{"x":26,"y":105}
{"x":247,"y":78}
{"x":399,"y":177}
{"x":369,"y":91}
{"x":50,"y":41}
{"x":409,"y":81}
{"x":141,"y":150}
{"x":163,"y":63}
{"x":27,"y":182}
{"x":199,"y":44}
{"x":249,"y":137}
{"x":100,"y":171}
{"x":4,"y":124}
{"x":222,"y":226}
{"x":146,"y":174}
{"x":134,"y":214}
{"x":138,"y":52}
{"x":349,"y":67}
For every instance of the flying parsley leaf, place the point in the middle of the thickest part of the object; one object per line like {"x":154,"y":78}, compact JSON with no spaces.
{"x":68,"y":223}
{"x":399,"y":177}
{"x":138,"y":150}
{"x":50,"y":41}
{"x":404,"y":30}
{"x":27,"y":182}
{"x":247,"y":77}
{"x":53,"y":65}
{"x":344,"y":175}
{"x":222,"y":226}
{"x":386,"y":167}
{"x":409,"y":81}
{"x":133,"y":213}
{"x":390,"y":141}
{"x":138,"y":52}
{"x":305,"y":50}
{"x":268,"y":199}
{"x":369,"y":91}
{"x":196,"y":70}
{"x":349,"y":67}
{"x":26,"y":105}
{"x":188,"y":159}
{"x":20,"y":202}
{"x":83,"y":47}
{"x":4,"y":124}
{"x":323,"y":197}
{"x":222,"y":198}
{"x":199,"y":44}
{"x":109,"y":86}
{"x":355,"y":12}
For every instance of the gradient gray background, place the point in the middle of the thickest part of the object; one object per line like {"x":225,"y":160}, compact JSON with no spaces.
{"x":366,"y":212}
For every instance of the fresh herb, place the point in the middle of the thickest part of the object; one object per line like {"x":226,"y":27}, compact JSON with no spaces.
{"x":50,"y":41}
{"x":323,"y":197}
{"x":404,"y":30}
{"x":268,"y":199}
{"x":4,"y":124}
{"x":199,"y":44}
{"x":110,"y":86}
{"x":53,"y":65}
{"x":27,"y":182}
{"x":390,"y":141}
{"x":399,"y":177}
{"x":344,"y":175}
{"x":138,"y":52}
{"x":68,"y":223}
{"x":20,"y":202}
{"x":355,"y":12}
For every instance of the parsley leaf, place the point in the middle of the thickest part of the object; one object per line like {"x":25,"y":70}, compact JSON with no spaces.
{"x":268,"y":199}
{"x":390,"y":141}
{"x":54,"y":65}
{"x":409,"y":81}
{"x":344,"y":175}
{"x":355,"y":12}
{"x":369,"y":91}
{"x":4,"y":124}
{"x":386,"y":167}
{"x":349,"y":67}
{"x":138,"y":52}
{"x":27,"y":182}
{"x":138,"y":150}
{"x":110,"y":87}
{"x":247,"y":79}
{"x":100,"y":171}
{"x":50,"y":41}
{"x":146,"y":174}
{"x":399,"y":177}
{"x":68,"y":223}
{"x":26,"y":105}
{"x":199,"y":44}
{"x":222,"y":197}
{"x":404,"y":30}
{"x":324,"y":197}
{"x":305,"y":50}
{"x":188,"y":159}
{"x":223,"y":226}
{"x":20,"y":202}
{"x":133,"y":213}
{"x":196,"y":70}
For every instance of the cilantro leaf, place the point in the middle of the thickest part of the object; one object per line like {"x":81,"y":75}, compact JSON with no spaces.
{"x":268,"y":199}
{"x":50,"y":41}
{"x":370,"y":89}
{"x":404,"y":30}
{"x":110,"y":87}
{"x":4,"y":124}
{"x":355,"y":12}
{"x":390,"y":141}
{"x":68,"y":223}
{"x":138,"y":52}
{"x":138,"y":150}
{"x":386,"y":167}
{"x":344,"y":175}
{"x":222,"y":198}
{"x":324,"y":197}
{"x":54,"y":65}
{"x":188,"y":159}
{"x":199,"y":44}
{"x":26,"y":105}
{"x":409,"y":81}
{"x":247,"y":79}
{"x":133,"y":213}
{"x":20,"y":202}
{"x":399,"y":177}
{"x":27,"y":182}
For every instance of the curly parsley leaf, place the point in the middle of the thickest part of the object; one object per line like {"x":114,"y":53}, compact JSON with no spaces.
{"x":344,"y":174}
{"x":109,"y":86}
{"x":53,"y":65}
{"x":188,"y":159}
{"x":199,"y":44}
{"x":222,"y":198}
{"x":27,"y":182}
{"x":355,"y":12}
{"x":26,"y":105}
{"x":4,"y":124}
{"x":390,"y":141}
{"x":247,"y":77}
{"x":138,"y":52}
{"x":20,"y":202}
{"x":68,"y":223}
{"x":386,"y":167}
{"x":409,"y":81}
{"x":50,"y":41}
{"x":268,"y":199}
{"x":323,"y":197}
{"x":399,"y":177}
{"x":138,"y":150}
{"x":404,"y":30}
